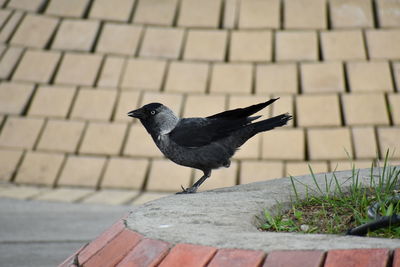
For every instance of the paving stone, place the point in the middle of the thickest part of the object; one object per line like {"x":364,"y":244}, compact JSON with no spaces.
{"x":342,"y":45}
{"x":254,"y":46}
{"x":318,"y":110}
{"x":110,"y":197}
{"x":37,"y":66}
{"x":76,"y":35}
{"x":9,"y":61}
{"x":369,"y":76}
{"x":224,"y":177}
{"x":8,"y":30}
{"x":305,"y":14}
{"x":255,"y":171}
{"x":259,"y":14}
{"x":389,"y":139}
{"x":103,"y":138}
{"x":207,"y":45}
{"x":172,"y":39}
{"x":61,"y":136}
{"x":329,"y":143}
{"x":93,"y":104}
{"x":283,"y":144}
{"x":52,"y":101}
{"x":322,"y":77}
{"x":139,"y":143}
{"x":21,"y":192}
{"x":9,"y":160}
{"x":303,"y":168}
{"x":351,"y":14}
{"x":111,"y":72}
{"x":365,"y":109}
{"x":67,"y":8}
{"x":127,"y":101}
{"x":237,"y":257}
{"x":14,"y":97}
{"x":396,"y":257}
{"x":345,"y":165}
{"x":357,"y":257}
{"x":144,"y":74}
{"x":188,"y":255}
{"x":82,"y":171}
{"x":167,"y":176}
{"x":365,"y":145}
{"x":194,"y":105}
{"x":4,"y":16}
{"x":388,"y":13}
{"x":155,"y":12}
{"x":125,"y":173}
{"x":118,"y":10}
{"x":34,"y":31}
{"x":20,"y":132}
{"x":283,"y":105}
{"x":276,"y":78}
{"x":171,"y":100}
{"x":78,"y":69}
{"x":231,"y":13}
{"x":29,"y":5}
{"x":202,"y":14}
{"x":119,"y":38}
{"x":231,"y":78}
{"x":296,"y":46}
{"x":39,"y":168}
{"x":394,"y":107}
{"x":187,"y":77}
{"x":311,"y":258}
{"x":148,"y":196}
{"x":64,"y":194}
{"x":383,"y":44}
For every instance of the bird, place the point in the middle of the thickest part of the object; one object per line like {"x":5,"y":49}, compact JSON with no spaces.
{"x":204,"y":143}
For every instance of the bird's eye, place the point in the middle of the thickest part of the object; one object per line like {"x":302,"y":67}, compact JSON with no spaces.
{"x":152,"y":112}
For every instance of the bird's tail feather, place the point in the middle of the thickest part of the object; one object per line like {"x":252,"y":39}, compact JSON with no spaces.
{"x":271,"y":123}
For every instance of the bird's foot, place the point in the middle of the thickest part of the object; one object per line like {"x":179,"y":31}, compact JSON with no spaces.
{"x":189,"y":190}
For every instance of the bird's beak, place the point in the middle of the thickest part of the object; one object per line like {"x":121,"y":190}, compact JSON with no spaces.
{"x":138,"y":113}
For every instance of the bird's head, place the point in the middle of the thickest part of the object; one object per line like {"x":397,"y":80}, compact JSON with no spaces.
{"x":156,"y":118}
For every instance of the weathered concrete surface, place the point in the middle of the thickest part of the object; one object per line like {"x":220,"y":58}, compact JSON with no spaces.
{"x":226,"y":218}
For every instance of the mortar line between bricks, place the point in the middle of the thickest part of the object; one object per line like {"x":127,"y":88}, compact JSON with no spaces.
{"x":165,"y":74}
{"x":273,"y":46}
{"x":388,"y":109}
{"x":375,"y":15}
{"x":86,"y":12}
{"x":125,"y":139}
{"x":17,"y":62}
{"x":6,"y":21}
{"x":346,"y":77}
{"x":281,"y":14}
{"x":319,"y":47}
{"x":176,"y":14}
{"x":18,"y":166}
{"x":341,"y":110}
{"x":183,"y":45}
{"x":40,"y":134}
{"x":133,"y":11}
{"x":43,"y":7}
{"x":221,"y":15}
{"x":49,"y":43}
{"x":56,"y":68}
{"x":139,"y":44}
{"x":253,"y":79}
{"x":352,"y":145}
{"x":96,"y":38}
{"x":364,"y":37}
{"x":328,"y":16}
{"x":80,"y":141}
{"x":146,"y":177}
{"x":102,"y":172}
{"x":24,"y":112}
{"x":60,"y":170}
{"x":73,"y":100}
{"x":393,"y":77}
{"x":227,"y":46}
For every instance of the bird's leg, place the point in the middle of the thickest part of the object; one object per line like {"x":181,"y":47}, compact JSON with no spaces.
{"x":196,"y":185}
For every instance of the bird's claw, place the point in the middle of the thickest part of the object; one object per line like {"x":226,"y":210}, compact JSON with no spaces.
{"x":188,"y":190}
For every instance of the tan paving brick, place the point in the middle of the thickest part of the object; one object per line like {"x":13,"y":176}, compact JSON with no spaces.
{"x":125,"y":173}
{"x":76,"y":35}
{"x":394,"y":107}
{"x":64,"y":194}
{"x":388,"y":138}
{"x":254,"y":46}
{"x":187,"y":77}
{"x":30,"y":5}
{"x":67,"y":8}
{"x":259,"y":14}
{"x":351,"y":13}
{"x":224,"y":177}
{"x":172,"y":39}
{"x":305,"y":14}
{"x":111,"y":197}
{"x":167,"y":176}
{"x":103,"y":138}
{"x":4,"y":16}
{"x":81,"y":171}
{"x":155,"y":12}
{"x":52,"y":101}
{"x":388,"y":13}
{"x":255,"y":171}
{"x":14,"y":97}
{"x":21,"y":192}
{"x":118,"y":10}
{"x":365,"y":109}
{"x":205,"y":45}
{"x":61,"y":136}
{"x":204,"y":14}
{"x":231,"y":10}
{"x":345,"y":165}
{"x":303,"y":168}
{"x":194,"y":105}
{"x":342,"y":45}
{"x":9,"y":61}
{"x":396,"y":74}
{"x":93,"y":104}
{"x":383,"y":44}
{"x":322,"y":77}
{"x":39,"y":168}
{"x":8,"y":30}
{"x":276,"y":78}
{"x":318,"y":110}
{"x":111,"y":72}
{"x":283,"y":144}
{"x":370,"y":76}
{"x":231,"y":78}
{"x":365,"y":146}
{"x":34,"y":31}
{"x":37,"y":66}
{"x":148,"y":196}
{"x":283,"y":105}
{"x":78,"y":69}
{"x":9,"y":160}
{"x":20,"y":132}
{"x":127,"y":101}
{"x":119,"y":38}
{"x":144,"y":74}
{"x":296,"y":45}
{"x":171,"y":100}
{"x":329,"y":143}
{"x":140,"y":143}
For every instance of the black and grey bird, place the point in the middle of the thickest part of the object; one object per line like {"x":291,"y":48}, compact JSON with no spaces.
{"x":204,"y":143}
